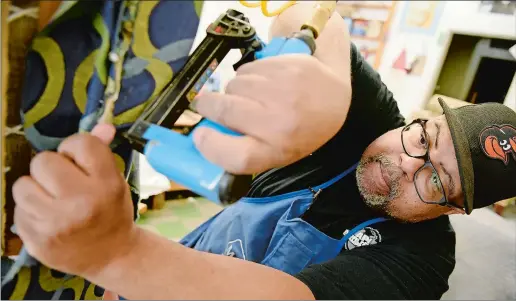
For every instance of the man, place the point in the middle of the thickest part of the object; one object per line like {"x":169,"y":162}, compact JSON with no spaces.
{"x":315,"y":228}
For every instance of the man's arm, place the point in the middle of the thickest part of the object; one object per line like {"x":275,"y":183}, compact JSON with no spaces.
{"x":157,"y":268}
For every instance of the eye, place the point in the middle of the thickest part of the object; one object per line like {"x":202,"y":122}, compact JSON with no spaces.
{"x":422,"y":139}
{"x":434,"y":180}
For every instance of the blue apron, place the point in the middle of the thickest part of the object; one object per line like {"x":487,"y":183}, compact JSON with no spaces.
{"x":270,"y":231}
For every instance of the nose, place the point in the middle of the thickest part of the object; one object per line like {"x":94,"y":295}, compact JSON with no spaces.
{"x":410,"y":165}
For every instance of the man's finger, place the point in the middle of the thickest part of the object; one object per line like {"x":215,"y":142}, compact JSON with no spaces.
{"x":33,"y":199}
{"x":55,"y":173}
{"x":273,"y":67}
{"x":235,"y":112}
{"x":238,"y":155}
{"x":255,"y":88}
{"x":247,"y":85}
{"x":26,"y":230}
{"x":89,"y":153}
{"x":105,"y":132}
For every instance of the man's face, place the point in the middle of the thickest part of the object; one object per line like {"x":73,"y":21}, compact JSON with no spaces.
{"x":386,"y":173}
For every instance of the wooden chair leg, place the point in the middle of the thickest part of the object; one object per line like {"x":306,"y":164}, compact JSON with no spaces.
{"x":142,"y":208}
{"x":46,"y":11}
{"x":158,"y":201}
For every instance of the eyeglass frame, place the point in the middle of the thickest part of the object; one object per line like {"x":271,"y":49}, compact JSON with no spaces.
{"x":426,"y":157}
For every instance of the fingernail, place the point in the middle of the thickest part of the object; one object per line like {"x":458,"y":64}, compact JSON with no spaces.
{"x":193,"y":105}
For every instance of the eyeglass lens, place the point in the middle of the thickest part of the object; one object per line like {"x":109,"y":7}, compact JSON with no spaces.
{"x":428,"y":184}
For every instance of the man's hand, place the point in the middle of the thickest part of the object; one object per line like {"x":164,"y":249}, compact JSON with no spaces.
{"x":286,"y":106}
{"x":74,"y":212}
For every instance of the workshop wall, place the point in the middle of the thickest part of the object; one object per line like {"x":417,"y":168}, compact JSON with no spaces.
{"x":413,"y":91}
{"x":212,"y":10}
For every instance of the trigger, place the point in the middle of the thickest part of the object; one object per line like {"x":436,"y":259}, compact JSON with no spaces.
{"x":248,"y":54}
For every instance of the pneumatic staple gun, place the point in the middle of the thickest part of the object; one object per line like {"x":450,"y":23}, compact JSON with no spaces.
{"x":173,"y":154}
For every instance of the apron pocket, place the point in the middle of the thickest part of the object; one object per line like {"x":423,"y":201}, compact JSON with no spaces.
{"x":290,"y":255}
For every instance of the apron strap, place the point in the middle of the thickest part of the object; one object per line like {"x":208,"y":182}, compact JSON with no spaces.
{"x":359,"y":227}
{"x":337,"y":178}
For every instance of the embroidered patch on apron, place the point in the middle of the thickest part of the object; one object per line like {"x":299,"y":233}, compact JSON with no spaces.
{"x":365,"y":237}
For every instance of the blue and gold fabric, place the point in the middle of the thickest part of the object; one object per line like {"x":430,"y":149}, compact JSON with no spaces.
{"x":90,"y":50}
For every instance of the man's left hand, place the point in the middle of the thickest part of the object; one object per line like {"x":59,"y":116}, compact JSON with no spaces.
{"x":286,"y":107}
{"x":74,"y":211}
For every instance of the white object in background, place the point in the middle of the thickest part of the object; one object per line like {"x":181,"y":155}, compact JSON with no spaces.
{"x":512,"y":51}
{"x":151,"y":182}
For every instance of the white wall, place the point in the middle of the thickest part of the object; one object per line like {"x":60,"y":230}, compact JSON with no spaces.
{"x":412,"y":92}
{"x":212,"y":10}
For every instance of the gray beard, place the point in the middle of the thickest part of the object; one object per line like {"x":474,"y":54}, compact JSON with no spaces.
{"x":373,"y":200}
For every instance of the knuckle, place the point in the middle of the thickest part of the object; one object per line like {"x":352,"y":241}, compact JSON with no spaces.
{"x":231,"y":86}
{"x":242,"y":83}
{"x":87,"y":141}
{"x":200,"y":138}
{"x":88,"y":212}
{"x":81,"y":142}
{"x":249,"y":67}
{"x":48,"y":236}
{"x":41,"y":160}
{"x":18,"y":187}
{"x":120,"y":188}
{"x":221,"y":111}
{"x":243,"y":163}
{"x":289,"y":125}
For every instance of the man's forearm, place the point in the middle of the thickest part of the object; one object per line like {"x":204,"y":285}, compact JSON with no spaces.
{"x":157,"y":268}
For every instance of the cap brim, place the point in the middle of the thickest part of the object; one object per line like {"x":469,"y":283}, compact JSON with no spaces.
{"x":462,"y":154}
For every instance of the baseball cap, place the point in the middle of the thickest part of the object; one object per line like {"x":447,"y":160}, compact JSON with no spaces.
{"x":484,"y":137}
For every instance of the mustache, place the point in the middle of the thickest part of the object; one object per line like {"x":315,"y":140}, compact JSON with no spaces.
{"x":393,"y":174}
{"x":392,"y":170}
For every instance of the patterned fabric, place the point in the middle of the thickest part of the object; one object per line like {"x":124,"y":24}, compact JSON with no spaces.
{"x":68,"y":72}
{"x":68,"y":66}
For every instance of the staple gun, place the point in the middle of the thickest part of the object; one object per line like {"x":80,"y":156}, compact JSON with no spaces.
{"x":173,"y":154}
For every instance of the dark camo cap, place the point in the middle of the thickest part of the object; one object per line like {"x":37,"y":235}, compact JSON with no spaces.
{"x":484,"y":137}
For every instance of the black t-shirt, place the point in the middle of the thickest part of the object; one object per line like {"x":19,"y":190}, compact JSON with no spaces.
{"x":388,"y":260}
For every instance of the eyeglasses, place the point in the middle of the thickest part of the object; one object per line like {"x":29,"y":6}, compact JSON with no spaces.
{"x":429,"y":187}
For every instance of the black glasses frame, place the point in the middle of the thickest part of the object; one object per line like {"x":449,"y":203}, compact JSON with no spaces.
{"x":426,"y":157}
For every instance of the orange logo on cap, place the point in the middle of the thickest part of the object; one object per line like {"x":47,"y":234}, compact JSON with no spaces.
{"x":498,"y":142}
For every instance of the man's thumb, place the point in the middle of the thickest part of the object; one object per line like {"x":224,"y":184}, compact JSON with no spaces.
{"x":105,"y":132}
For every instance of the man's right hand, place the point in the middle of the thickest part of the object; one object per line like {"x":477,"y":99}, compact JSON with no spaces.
{"x":286,"y":107}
